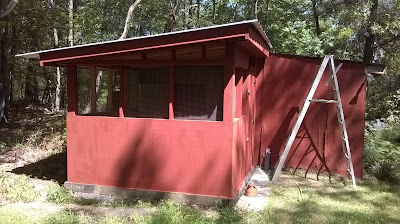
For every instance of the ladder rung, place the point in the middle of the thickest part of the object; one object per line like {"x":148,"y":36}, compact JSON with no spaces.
{"x":324,"y":101}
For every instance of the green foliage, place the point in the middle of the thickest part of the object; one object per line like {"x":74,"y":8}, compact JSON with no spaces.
{"x":17,"y":188}
{"x":62,"y":218}
{"x":170,"y":212}
{"x":58,"y":194}
{"x":382,"y":153}
{"x":298,"y":200}
{"x":12,"y":216}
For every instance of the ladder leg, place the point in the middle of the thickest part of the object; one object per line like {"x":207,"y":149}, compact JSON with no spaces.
{"x":342,"y":125}
{"x":303,"y":111}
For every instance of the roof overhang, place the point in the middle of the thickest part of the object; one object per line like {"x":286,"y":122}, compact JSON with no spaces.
{"x":249,"y":33}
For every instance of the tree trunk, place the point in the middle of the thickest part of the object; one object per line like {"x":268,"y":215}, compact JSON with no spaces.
{"x":8,"y":9}
{"x":4,"y":74}
{"x":89,"y":108}
{"x":171,"y":21}
{"x":12,"y":61}
{"x":71,"y":23}
{"x":129,"y":19}
{"x":370,"y":36}
{"x":58,"y":73}
{"x":316,"y":17}
{"x":255,"y":9}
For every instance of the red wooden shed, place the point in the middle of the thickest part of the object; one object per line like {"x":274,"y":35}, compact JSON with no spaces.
{"x":193,"y":111}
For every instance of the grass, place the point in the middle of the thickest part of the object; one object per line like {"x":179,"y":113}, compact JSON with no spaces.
{"x":298,"y":200}
{"x":59,"y":195}
{"x":293,"y":200}
{"x":17,"y":188}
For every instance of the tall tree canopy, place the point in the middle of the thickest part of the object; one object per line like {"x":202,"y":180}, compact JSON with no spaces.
{"x":363,"y":30}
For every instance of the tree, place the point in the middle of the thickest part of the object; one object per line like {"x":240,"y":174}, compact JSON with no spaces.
{"x":370,"y":35}
{"x":71,"y":23}
{"x":129,"y":18}
{"x":58,"y":70}
{"x":171,"y":20}
{"x":8,"y":9}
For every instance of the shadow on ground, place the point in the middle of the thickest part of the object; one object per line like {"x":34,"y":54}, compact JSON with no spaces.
{"x":53,"y":167}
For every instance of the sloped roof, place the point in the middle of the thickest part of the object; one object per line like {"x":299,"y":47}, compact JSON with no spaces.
{"x":253,"y":23}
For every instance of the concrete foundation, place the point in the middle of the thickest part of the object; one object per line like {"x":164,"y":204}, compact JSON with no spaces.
{"x":103,"y":193}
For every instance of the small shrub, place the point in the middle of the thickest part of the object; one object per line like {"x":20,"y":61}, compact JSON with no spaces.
{"x":59,"y":195}
{"x":17,"y":188}
{"x":382,"y":153}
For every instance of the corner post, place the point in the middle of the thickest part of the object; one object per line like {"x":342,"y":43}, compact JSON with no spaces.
{"x":229,"y":81}
{"x":171,"y":91}
{"x":122,"y":92}
{"x":72,"y":89}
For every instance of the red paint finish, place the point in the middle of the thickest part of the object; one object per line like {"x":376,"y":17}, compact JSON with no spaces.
{"x":262,"y":96}
{"x":58,"y":56}
{"x":284,"y":87}
{"x":229,"y":81}
{"x":72,"y":93}
{"x":171,"y":92}
{"x":122,"y":92}
{"x":162,"y":155}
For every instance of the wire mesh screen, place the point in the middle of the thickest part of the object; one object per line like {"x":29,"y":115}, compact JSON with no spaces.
{"x":147,"y":93}
{"x":198,"y":93}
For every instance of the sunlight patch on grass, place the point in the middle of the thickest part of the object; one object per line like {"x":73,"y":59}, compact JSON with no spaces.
{"x":17,"y":188}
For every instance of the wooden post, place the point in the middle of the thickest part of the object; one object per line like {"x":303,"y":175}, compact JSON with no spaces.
{"x":171,"y":91}
{"x":229,"y":81}
{"x":122,"y":92}
{"x":72,"y":89}
{"x":93,"y":97}
{"x":109,"y":90}
{"x":239,"y":83}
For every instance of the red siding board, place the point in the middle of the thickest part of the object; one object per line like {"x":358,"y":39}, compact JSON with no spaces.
{"x":160,"y":155}
{"x":285,"y":86}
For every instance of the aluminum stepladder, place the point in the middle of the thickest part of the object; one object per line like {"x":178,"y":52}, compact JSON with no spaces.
{"x":328,"y":61}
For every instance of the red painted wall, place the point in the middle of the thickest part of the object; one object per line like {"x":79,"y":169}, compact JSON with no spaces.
{"x":163,"y":155}
{"x":284,"y":86}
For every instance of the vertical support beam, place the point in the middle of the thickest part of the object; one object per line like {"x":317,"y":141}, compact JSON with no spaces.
{"x":239,"y":89}
{"x":171,"y":91}
{"x":229,"y":81}
{"x":110,"y":90}
{"x":93,"y":97}
{"x":72,"y":89}
{"x":122,"y":92}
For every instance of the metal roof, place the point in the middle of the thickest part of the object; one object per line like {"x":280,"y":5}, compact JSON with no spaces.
{"x":255,"y":23}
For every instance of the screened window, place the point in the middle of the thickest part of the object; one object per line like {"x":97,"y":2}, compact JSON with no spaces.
{"x":147,"y":93}
{"x":98,"y":95}
{"x":198,"y":93}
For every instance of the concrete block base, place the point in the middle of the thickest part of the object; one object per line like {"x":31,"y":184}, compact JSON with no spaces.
{"x":104,"y":193}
